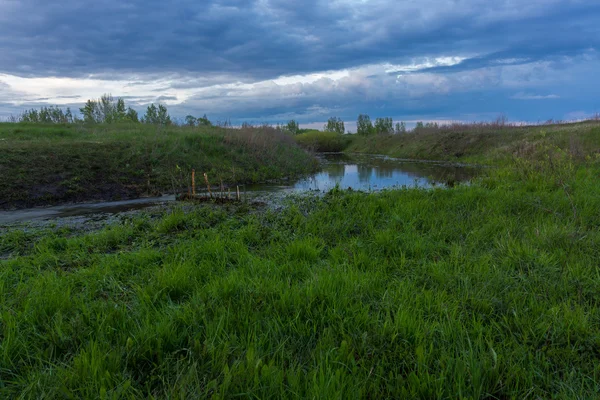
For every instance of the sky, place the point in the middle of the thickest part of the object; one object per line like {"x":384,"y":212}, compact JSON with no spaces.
{"x":274,"y":60}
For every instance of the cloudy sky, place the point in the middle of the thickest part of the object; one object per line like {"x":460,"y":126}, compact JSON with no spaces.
{"x":273,"y":60}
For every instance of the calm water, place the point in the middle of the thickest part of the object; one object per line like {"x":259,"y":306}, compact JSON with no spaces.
{"x":360,"y":172}
{"x":367,"y":172}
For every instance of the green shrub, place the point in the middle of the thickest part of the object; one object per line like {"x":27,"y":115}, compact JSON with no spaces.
{"x":323,"y":141}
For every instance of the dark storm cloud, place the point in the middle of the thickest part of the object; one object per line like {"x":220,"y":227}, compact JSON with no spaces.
{"x":264,"y":39}
{"x":530,"y":59}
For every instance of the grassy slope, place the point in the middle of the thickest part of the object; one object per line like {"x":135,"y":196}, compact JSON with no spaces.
{"x":480,"y":291}
{"x":486,"y":144}
{"x":49,"y":164}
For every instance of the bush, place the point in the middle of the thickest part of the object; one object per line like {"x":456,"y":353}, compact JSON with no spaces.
{"x":323,"y":141}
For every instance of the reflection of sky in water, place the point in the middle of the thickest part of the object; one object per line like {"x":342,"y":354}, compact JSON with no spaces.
{"x":362,"y":177}
{"x":364,"y":172}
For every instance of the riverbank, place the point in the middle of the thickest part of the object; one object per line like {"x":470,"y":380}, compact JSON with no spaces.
{"x":487,"y":290}
{"x":484,"y":143}
{"x":57,"y":164}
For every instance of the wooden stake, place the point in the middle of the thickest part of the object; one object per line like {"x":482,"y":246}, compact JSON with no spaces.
{"x":207,"y":185}
{"x":238,"y":193}
{"x":194,"y":182}
{"x":228,"y":194}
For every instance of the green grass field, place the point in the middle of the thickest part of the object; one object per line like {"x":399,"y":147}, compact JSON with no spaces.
{"x":52,"y":164}
{"x":481,"y":291}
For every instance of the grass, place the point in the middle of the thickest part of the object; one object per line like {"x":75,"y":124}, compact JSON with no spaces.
{"x":480,"y":291}
{"x":484,"y":143}
{"x":51,"y":164}
{"x":328,"y":142}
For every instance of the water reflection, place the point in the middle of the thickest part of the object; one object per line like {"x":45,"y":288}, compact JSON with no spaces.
{"x":376,"y":172}
{"x":336,"y":172}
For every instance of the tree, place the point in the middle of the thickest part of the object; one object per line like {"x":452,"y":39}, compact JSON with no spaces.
{"x":105,"y":110}
{"x":120,"y":112}
{"x":108,"y":110}
{"x":400,"y":128}
{"x":151,"y":116}
{"x":157,"y":115}
{"x":190,"y":120}
{"x":292,"y":127}
{"x":131,"y":115}
{"x":89,"y":112}
{"x":69,"y":116}
{"x":30,"y":116}
{"x":163,"y":115}
{"x":363,"y":125}
{"x":384,"y":126}
{"x":335,"y":124}
{"x":203,"y":121}
{"x":419,"y":126}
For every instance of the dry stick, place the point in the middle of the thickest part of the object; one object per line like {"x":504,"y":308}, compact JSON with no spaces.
{"x":207,"y":185}
{"x":238,"y":192}
{"x":194,"y":182}
{"x":228,"y":193}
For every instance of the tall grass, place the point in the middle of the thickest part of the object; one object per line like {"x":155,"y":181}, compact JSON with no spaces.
{"x":486,"y":290}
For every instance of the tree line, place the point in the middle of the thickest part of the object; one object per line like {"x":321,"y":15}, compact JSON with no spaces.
{"x":108,"y":110}
{"x":105,"y":110}
{"x":364,"y":126}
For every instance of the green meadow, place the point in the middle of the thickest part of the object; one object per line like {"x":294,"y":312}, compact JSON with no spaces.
{"x":485,"y":290}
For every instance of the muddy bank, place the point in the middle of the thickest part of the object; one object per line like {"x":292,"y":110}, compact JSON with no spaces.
{"x":48,"y":165}
{"x":80,"y":210}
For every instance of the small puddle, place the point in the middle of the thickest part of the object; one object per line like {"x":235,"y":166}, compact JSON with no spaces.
{"x":359,"y":172}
